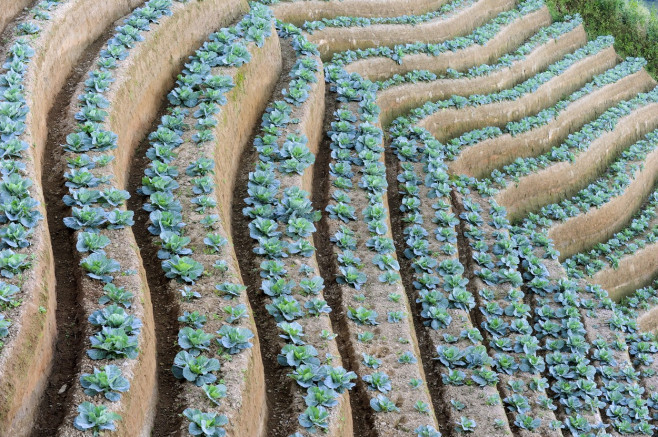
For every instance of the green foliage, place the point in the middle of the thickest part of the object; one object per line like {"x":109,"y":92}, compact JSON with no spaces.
{"x":635,"y":29}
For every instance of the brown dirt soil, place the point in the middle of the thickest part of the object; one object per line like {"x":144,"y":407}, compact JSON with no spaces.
{"x":363,"y":427}
{"x":30,"y":346}
{"x":138,"y":406}
{"x":12,"y":12}
{"x":452,"y":122}
{"x":599,"y":224}
{"x":297,"y":12}
{"x":473,"y":397}
{"x":400,"y":99}
{"x":563,"y":179}
{"x":480,"y":159}
{"x":507,"y":39}
{"x":635,"y":271}
{"x":337,"y":39}
{"x":245,"y":405}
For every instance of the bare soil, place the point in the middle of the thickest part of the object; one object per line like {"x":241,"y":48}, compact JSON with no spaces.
{"x":165,"y":305}
{"x":69,"y":313}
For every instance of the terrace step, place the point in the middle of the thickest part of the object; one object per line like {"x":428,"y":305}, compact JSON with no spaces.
{"x":452,"y":122}
{"x":563,"y":179}
{"x":299,"y":11}
{"x":30,"y":347}
{"x":508,"y":36}
{"x":480,"y":159}
{"x":331,"y":40}
{"x":626,"y":262}
{"x":134,"y":102}
{"x":397,"y":100}
{"x":584,"y":230}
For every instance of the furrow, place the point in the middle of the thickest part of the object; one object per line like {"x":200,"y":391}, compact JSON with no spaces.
{"x":129,"y":65}
{"x":275,"y":212}
{"x":28,"y":350}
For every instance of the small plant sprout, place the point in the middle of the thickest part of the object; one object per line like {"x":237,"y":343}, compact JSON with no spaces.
{"x":95,"y":418}
{"x":427,"y":431}
{"x":407,"y":358}
{"x":205,"y":424}
{"x":422,"y":407}
{"x":214,"y":392}
{"x":382,"y":404}
{"x":187,"y":294}
{"x":394,"y":297}
{"x":327,"y":335}
{"x":365,"y":337}
{"x":464,"y":424}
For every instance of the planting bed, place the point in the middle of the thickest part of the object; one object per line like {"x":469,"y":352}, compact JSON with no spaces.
{"x":286,"y":218}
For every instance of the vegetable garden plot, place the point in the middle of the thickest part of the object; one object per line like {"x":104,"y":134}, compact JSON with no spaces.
{"x":489,"y":194}
{"x":503,"y":31}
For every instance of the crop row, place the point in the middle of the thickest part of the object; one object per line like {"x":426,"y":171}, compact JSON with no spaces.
{"x":282,"y":223}
{"x":513,"y":129}
{"x":400,"y":99}
{"x":623,"y":172}
{"x":623,"y":424}
{"x":115,"y":295}
{"x":642,"y":303}
{"x":20,"y":207}
{"x":577,"y":411}
{"x":448,"y":301}
{"x":431,"y":111}
{"x":374,"y":305}
{"x":217,"y":356}
{"x":349,"y":21}
{"x":639,"y":233}
{"x":457,"y":147}
{"x":479,"y":36}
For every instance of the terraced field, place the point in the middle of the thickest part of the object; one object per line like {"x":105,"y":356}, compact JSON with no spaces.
{"x":324,"y":217}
